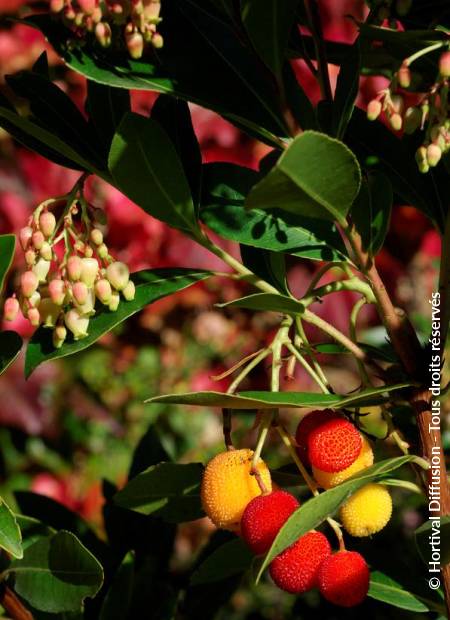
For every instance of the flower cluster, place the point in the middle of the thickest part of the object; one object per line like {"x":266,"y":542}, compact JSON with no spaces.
{"x":136,"y":20}
{"x":430,"y":114}
{"x":59,"y":289}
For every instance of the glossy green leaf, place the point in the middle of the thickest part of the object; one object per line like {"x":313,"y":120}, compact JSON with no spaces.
{"x":313,"y":512}
{"x":224,"y":189}
{"x":267,"y":265}
{"x":371,"y":211}
{"x":118,"y":597}
{"x":232,"y":558}
{"x":316,"y":176}
{"x":10,"y":536}
{"x":347,"y":87}
{"x":268,"y":23}
{"x":168,"y":490}
{"x":267,"y":302}
{"x":383,"y":588}
{"x":440,"y":530}
{"x":106,"y":107}
{"x":57,"y":574}
{"x":150,"y":286}
{"x":146,"y":168}
{"x":7,"y":247}
{"x":175,"y":118}
{"x":10,"y":345}
{"x":268,"y":400}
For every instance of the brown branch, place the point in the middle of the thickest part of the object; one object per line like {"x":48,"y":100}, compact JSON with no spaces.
{"x":13,"y":605}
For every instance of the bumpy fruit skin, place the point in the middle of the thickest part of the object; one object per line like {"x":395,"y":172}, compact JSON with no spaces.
{"x":367,"y":511}
{"x":263,"y":518}
{"x":344,"y":578}
{"x":334,"y":445}
{"x":227,"y":487}
{"x":296,"y":570}
{"x":328,"y":480}
{"x":305,"y":427}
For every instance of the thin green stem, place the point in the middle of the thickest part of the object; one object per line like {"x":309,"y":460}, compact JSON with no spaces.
{"x":353,"y":322}
{"x":254,"y":362}
{"x":426,"y":50}
{"x":312,"y":373}
{"x":352,"y":284}
{"x":301,"y":336}
{"x":323,"y":270}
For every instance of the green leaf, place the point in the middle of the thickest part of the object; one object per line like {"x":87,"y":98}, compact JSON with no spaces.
{"x":7,"y":247}
{"x":146,"y":168}
{"x":106,"y":107}
{"x":383,"y":588}
{"x":347,"y":87}
{"x":371,"y":211}
{"x":267,"y":301}
{"x":267,"y":265}
{"x":10,"y":345}
{"x":150,"y":286}
{"x":438,"y":528}
{"x":57,"y":573}
{"x":224,"y":189}
{"x":316,"y":176}
{"x":268,"y":24}
{"x":118,"y":597}
{"x":269,"y":400}
{"x":313,"y":512}
{"x":175,"y":118}
{"x":10,"y":536}
{"x":168,"y":490}
{"x":232,"y":558}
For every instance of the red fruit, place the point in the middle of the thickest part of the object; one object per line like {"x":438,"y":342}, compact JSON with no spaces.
{"x":334,"y":445}
{"x":310,"y":422}
{"x":344,"y":579}
{"x":296,"y":569}
{"x":263,"y":518}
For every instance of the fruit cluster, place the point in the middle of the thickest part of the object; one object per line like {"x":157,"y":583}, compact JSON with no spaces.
{"x":59,"y":289}
{"x":429,"y":114}
{"x":238,"y":495}
{"x":136,"y":20}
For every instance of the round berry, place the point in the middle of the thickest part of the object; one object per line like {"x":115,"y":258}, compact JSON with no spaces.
{"x":344,"y":578}
{"x":328,"y":480}
{"x":306,"y":425}
{"x":296,"y":569}
{"x":228,"y":486}
{"x":263,"y":518}
{"x":367,"y":511}
{"x":334,"y":445}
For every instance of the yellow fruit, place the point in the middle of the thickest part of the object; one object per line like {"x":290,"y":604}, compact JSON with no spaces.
{"x":367,"y":511}
{"x":329,"y":480}
{"x":227,"y":487}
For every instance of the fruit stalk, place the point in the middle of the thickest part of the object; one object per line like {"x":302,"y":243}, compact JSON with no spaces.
{"x":13,"y":606}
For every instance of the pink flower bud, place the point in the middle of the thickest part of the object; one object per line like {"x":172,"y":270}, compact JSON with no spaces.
{"x":38,"y":239}
{"x":152,"y":10}
{"x":103,"y":290}
{"x":57,"y":291}
{"x":34,"y":317}
{"x":373,"y":109}
{"x":46,"y":251}
{"x":25,"y":235}
{"x":59,"y":336}
{"x":434,"y":154}
{"x":118,"y":275}
{"x":41,"y":269}
{"x":157,"y":41}
{"x":96,"y":236}
{"x":47,"y":223}
{"x":33,"y":301}
{"x":49,"y":312}
{"x":129,"y":291}
{"x":74,"y":266}
{"x":396,"y":122}
{"x":444,"y":65}
{"x":114,"y":301}
{"x":80,"y":292}
{"x":89,"y":271}
{"x":412,"y":120}
{"x":103,"y":34}
{"x":76,"y":323}
{"x":28,"y":283}
{"x":87,"y":6}
{"x":135,"y":44}
{"x":88,"y":251}
{"x":56,"y":6}
{"x":79,"y":246}
{"x":30,"y":257}
{"x":11,"y":309}
{"x":404,"y":76}
{"x":102,"y":251}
